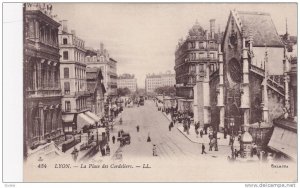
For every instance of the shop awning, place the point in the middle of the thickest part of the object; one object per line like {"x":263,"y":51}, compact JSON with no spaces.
{"x":83,"y":120}
{"x":92,"y":116}
{"x":67,"y":118}
{"x":284,"y":141}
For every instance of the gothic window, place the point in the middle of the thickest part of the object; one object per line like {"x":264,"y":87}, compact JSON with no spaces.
{"x":235,"y":70}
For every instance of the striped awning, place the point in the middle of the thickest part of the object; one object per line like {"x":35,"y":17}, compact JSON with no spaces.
{"x":67,"y":118}
{"x":84,"y":120}
{"x":92,"y":116}
{"x":284,"y":141}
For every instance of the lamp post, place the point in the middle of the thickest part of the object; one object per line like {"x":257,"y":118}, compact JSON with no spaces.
{"x":231,"y":124}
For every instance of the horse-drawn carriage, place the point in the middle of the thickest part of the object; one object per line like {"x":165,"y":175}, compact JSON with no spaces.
{"x":124,"y":139}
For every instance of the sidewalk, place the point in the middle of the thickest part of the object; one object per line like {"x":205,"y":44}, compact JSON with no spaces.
{"x":192,"y":136}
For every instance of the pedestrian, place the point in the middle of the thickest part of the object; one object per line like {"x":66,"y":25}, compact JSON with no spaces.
{"x":137,"y":128}
{"x":102,"y":151}
{"x":170,"y":126}
{"x":236,"y":153}
{"x":201,"y":133}
{"x":203,"y":149}
{"x":113,"y":139}
{"x":148,"y":139}
{"x":107,"y":150}
{"x":154,"y":150}
{"x":210,"y":146}
{"x":119,"y":134}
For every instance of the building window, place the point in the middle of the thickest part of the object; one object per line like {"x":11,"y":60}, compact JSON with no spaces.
{"x":67,"y":88}
{"x":65,"y":41}
{"x":201,"y":68}
{"x":65,"y":55}
{"x":66,"y":73}
{"x":67,"y":106}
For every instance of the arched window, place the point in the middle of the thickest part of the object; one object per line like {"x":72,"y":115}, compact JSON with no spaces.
{"x":235,"y":70}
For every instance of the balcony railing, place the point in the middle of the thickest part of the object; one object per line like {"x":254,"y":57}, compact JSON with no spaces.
{"x":76,"y":94}
{"x":76,"y":110}
{"x":201,"y":59}
{"x":43,"y":93}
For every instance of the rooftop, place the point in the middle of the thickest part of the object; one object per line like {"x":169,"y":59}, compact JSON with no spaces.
{"x":260,"y":25}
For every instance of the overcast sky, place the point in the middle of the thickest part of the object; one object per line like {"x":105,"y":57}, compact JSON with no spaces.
{"x":143,"y":37}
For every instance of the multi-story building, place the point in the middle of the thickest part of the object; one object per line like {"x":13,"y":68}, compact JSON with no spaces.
{"x":127,"y":81}
{"x":100,"y":59}
{"x":154,"y":81}
{"x":196,"y":58}
{"x":73,"y":81}
{"x":96,"y":89}
{"x":42,"y":92}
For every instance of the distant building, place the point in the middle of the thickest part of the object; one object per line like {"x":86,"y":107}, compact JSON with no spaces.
{"x":127,"y":81}
{"x":96,"y":89}
{"x":154,"y":81}
{"x":42,"y":91}
{"x":101,"y":59}
{"x":73,"y":81}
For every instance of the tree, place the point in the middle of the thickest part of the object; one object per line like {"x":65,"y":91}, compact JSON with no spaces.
{"x":166,"y":90}
{"x":123,"y":91}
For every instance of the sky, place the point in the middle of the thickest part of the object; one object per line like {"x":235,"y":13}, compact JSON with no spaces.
{"x":142,"y":37}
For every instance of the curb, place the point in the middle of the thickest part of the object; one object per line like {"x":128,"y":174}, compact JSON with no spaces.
{"x":188,"y":137}
{"x":198,"y":142}
{"x":166,"y":116}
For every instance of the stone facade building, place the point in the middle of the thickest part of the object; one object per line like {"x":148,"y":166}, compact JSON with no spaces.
{"x":73,"y":81}
{"x":196,"y":60}
{"x":154,"y":81}
{"x":127,"y":81}
{"x":42,"y":91}
{"x":101,"y":59}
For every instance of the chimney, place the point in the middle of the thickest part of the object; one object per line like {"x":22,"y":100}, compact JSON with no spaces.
{"x":73,"y":32}
{"x":212,"y":27}
{"x":64,"y":24}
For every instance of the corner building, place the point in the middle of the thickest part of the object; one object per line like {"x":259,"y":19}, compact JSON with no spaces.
{"x":42,"y":92}
{"x":196,"y":60}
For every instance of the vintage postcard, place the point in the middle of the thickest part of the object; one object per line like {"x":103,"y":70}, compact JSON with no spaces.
{"x":160,"y":92}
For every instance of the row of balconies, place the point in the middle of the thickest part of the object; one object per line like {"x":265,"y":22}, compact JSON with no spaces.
{"x":76,"y":94}
{"x":43,"y":92}
{"x":201,"y":59}
{"x":76,"y":110}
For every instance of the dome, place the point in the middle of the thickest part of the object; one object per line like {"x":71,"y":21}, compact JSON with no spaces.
{"x":246,"y":137}
{"x":196,"y":30}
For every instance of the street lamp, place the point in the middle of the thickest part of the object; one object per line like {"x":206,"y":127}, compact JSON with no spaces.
{"x":231,"y":124}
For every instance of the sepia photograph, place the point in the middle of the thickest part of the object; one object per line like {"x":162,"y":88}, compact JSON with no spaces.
{"x":160,"y":92}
